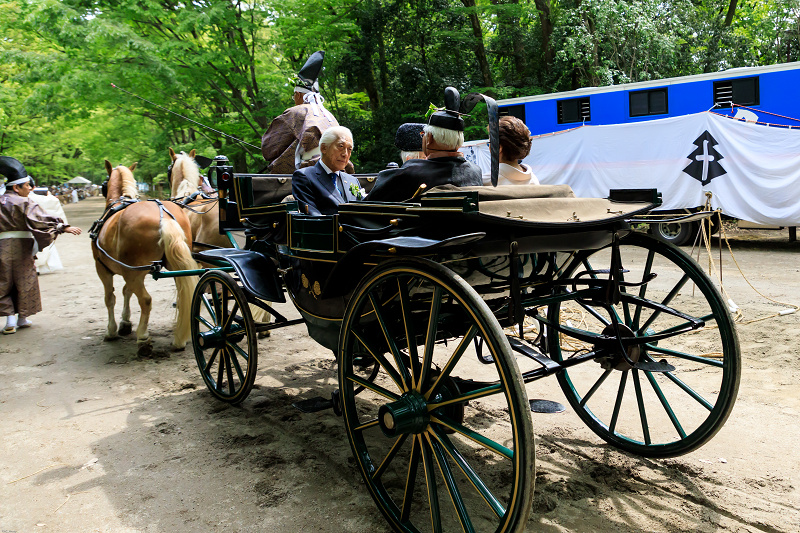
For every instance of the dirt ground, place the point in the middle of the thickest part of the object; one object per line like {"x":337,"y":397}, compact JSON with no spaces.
{"x":93,"y":438}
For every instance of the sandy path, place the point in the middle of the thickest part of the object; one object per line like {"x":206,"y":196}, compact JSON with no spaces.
{"x":94,"y":439}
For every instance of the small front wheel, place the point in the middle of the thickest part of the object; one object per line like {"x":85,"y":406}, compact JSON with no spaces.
{"x":443,"y":440}
{"x":224,"y":337}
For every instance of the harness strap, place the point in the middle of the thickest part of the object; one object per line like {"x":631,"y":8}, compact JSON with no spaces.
{"x":186,"y":200}
{"x":94,"y":232}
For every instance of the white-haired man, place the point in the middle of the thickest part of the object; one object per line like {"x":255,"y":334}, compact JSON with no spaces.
{"x":292,"y":139}
{"x":320,"y":189}
{"x":444,"y":164}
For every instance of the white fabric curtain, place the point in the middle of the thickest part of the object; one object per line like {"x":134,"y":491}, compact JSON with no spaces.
{"x":751,"y":170}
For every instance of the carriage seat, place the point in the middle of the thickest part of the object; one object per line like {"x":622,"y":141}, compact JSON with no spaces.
{"x":257,"y":272}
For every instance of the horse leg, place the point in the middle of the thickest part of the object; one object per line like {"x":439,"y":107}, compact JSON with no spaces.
{"x":107,"y":278}
{"x":125,"y":326}
{"x":136,"y":284}
{"x":260,"y":315}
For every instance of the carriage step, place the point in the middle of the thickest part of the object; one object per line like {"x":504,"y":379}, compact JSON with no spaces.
{"x":532,"y":353}
{"x":546,"y":406}
{"x":654,"y":366}
{"x":318,"y":403}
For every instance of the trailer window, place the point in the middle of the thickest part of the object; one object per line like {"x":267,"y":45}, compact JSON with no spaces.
{"x":517,"y":111}
{"x":741,"y":91}
{"x":651,"y":102}
{"x":574,"y":110}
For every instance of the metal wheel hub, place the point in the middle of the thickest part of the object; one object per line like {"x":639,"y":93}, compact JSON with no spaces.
{"x":615,"y":360}
{"x":210,"y":339}
{"x":409,"y":414}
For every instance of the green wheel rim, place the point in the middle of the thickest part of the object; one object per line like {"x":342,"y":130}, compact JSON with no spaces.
{"x":652,"y":414}
{"x":224,"y":337}
{"x":434,"y":457}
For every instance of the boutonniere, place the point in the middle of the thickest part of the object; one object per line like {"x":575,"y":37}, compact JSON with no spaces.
{"x":357,"y":191}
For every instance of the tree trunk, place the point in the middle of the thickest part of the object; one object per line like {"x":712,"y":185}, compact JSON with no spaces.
{"x":731,"y":12}
{"x":547,"y":32}
{"x":480,"y":49}
{"x":509,"y":24}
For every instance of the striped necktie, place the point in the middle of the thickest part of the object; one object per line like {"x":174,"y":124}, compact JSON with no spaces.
{"x":334,"y":177}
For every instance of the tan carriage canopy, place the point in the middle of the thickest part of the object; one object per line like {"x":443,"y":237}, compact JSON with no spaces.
{"x":546,"y":204}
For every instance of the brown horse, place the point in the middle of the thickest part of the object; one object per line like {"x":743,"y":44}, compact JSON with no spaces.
{"x":204,"y":214}
{"x":134,"y":237}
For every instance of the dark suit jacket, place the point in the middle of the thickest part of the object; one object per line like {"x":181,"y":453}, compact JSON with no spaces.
{"x":312,"y":187}
{"x":399,"y":184}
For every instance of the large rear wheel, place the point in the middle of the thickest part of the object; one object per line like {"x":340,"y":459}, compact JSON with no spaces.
{"x":677,"y":317}
{"x":443,"y":441}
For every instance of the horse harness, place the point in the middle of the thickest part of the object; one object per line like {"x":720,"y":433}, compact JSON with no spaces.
{"x":184,"y":201}
{"x":116,"y":207}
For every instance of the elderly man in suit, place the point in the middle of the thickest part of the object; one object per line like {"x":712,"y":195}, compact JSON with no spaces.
{"x":320,"y":189}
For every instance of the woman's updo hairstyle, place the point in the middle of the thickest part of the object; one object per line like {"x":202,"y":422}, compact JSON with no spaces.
{"x":515,"y":138}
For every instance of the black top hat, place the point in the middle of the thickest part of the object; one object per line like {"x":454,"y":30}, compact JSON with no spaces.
{"x":12,"y":169}
{"x":408,"y":138}
{"x":308,"y":75}
{"x":449,"y":118}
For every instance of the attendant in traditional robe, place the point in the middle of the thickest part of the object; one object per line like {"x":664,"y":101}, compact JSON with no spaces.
{"x":292,"y":140}
{"x":444,"y":164}
{"x":24,"y":229}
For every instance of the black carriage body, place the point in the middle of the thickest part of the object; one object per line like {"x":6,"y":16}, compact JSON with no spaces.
{"x":427,"y":306}
{"x":324,"y":257}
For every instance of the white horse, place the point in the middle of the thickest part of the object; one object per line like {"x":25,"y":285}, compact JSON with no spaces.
{"x":185,"y":180}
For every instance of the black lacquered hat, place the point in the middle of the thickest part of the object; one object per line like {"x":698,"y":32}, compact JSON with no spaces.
{"x":449,"y":118}
{"x":309,"y":74}
{"x":408,"y":138}
{"x":12,"y":169}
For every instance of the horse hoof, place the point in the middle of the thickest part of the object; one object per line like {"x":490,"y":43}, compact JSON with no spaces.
{"x":263,"y":334}
{"x":110,"y":338}
{"x":145,"y":350}
{"x":178,"y":348}
{"x":125,"y":328}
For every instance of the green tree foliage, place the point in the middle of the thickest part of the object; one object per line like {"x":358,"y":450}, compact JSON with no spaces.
{"x":227,"y":64}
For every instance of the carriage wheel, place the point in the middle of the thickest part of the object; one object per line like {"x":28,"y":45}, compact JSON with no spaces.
{"x":653,"y":414}
{"x":443,"y":441}
{"x":224,"y":337}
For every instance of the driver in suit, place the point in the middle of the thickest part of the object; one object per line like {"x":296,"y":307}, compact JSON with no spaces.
{"x":320,"y":189}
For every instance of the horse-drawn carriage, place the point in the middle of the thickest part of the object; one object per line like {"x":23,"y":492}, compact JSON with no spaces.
{"x":443,"y":311}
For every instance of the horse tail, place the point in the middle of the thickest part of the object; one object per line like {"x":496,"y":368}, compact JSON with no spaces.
{"x":179,"y":257}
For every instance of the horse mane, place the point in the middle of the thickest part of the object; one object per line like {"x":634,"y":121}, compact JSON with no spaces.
{"x":121,"y":184}
{"x":185,"y":176}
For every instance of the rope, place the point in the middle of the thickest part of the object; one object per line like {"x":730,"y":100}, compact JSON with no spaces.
{"x":706,"y":241}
